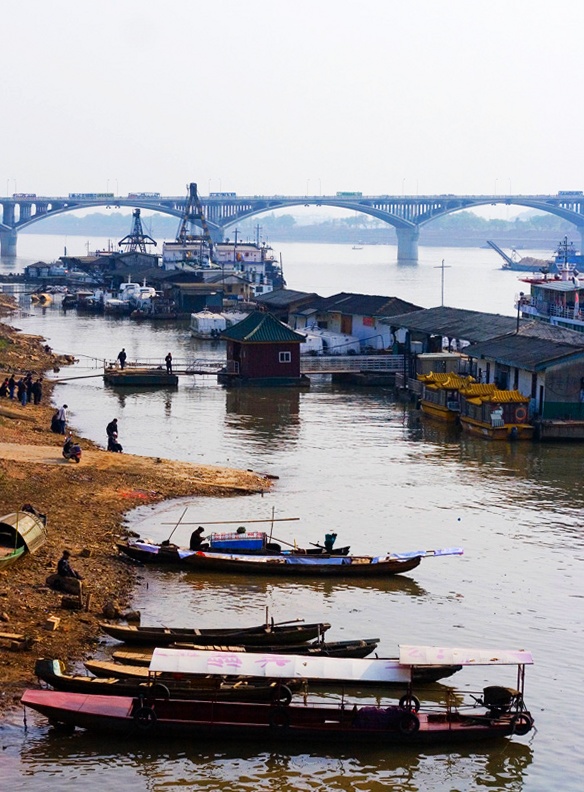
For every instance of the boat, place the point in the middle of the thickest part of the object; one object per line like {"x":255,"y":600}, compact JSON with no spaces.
{"x":355,"y":648}
{"x":248,"y":543}
{"x":20,"y":532}
{"x":207,"y":325}
{"x":441,"y":395}
{"x":262,"y":635}
{"x":292,"y":565}
{"x":519,"y":263}
{"x":555,"y":299}
{"x":494,"y":713}
{"x":494,"y":414}
{"x":52,"y":672}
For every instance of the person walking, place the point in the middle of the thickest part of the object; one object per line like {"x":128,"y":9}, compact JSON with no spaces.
{"x":11,"y":386}
{"x":62,"y":419}
{"x":168,"y":361}
{"x":122,"y":357}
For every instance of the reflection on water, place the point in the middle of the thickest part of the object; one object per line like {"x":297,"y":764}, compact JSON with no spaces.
{"x":153,"y":766}
{"x":374,"y":470}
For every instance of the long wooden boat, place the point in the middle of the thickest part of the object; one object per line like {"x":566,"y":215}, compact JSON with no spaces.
{"x":497,"y":712}
{"x":52,"y":672}
{"x":289,"y":564}
{"x":261,"y":635}
{"x":150,"y":553}
{"x":20,"y":532}
{"x":143,"y":658}
{"x":350,"y":566}
{"x":359,"y":648}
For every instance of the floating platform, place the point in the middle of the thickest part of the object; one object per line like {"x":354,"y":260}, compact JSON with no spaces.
{"x":139,"y":377}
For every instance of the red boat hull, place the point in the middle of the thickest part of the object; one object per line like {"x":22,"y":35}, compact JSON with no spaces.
{"x":178,"y":718}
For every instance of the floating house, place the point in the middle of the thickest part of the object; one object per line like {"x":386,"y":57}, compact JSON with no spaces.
{"x":261,"y":350}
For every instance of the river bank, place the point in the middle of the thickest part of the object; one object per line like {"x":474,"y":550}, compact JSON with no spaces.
{"x":85,"y":506}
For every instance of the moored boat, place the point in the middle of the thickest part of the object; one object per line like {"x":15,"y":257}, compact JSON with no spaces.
{"x":356,"y":648}
{"x":275,"y":561}
{"x":496,"y":712}
{"x":52,"y":672}
{"x":20,"y":532}
{"x":441,"y":395}
{"x":262,"y":635}
{"x":494,"y":414}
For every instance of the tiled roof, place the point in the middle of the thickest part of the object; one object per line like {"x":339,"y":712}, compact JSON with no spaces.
{"x":260,"y":328}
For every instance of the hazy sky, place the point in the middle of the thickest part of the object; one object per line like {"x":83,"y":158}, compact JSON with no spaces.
{"x":291,"y":96}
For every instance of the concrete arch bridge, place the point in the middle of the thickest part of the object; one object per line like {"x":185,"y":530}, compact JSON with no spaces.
{"x":407,"y":214}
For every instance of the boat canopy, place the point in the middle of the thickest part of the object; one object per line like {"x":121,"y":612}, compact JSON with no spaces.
{"x":25,"y":529}
{"x":438,"y":655}
{"x":275,"y":666}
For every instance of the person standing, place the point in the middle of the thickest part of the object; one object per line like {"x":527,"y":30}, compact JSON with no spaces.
{"x":122,"y":357}
{"x":11,"y":386}
{"x":168,"y":361}
{"x":37,"y":390}
{"x":21,"y":391}
{"x":4,"y":388}
{"x":62,"y":419}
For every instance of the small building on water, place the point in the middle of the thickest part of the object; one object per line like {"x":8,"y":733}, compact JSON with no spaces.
{"x":261,"y":350}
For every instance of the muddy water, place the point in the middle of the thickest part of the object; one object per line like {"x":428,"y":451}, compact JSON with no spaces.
{"x":364,"y":464}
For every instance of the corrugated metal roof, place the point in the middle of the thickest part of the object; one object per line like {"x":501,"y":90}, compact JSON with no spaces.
{"x":283,"y":297}
{"x":361,"y":304}
{"x":473,"y":326}
{"x":528,"y":352}
{"x":260,"y":328}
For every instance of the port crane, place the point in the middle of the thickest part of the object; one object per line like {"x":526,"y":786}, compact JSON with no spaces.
{"x":136,"y":240}
{"x":194,"y":213}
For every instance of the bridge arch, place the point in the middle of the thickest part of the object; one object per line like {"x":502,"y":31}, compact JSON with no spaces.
{"x":407,"y":214}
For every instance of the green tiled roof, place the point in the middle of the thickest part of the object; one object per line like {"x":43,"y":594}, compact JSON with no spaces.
{"x":261,"y":328}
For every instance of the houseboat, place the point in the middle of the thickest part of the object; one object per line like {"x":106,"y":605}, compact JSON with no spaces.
{"x":494,"y":414}
{"x":441,"y":395}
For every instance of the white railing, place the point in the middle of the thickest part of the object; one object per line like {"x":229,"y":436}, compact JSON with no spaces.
{"x":348,"y":363}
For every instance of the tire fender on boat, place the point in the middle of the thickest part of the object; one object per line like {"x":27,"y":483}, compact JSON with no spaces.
{"x":521,"y":724}
{"x":279,"y":719}
{"x":409,"y":723}
{"x":409,"y":702}
{"x":145,"y":718}
{"x":282,"y":696}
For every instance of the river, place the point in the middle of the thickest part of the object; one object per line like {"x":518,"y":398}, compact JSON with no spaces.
{"x":368,"y":466}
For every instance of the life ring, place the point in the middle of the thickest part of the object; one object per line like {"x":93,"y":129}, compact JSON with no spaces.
{"x":521,"y":724}
{"x":409,"y":723}
{"x":282,"y":696}
{"x":409,"y":702}
{"x":145,"y":718}
{"x":520,"y":414}
{"x":279,"y":719}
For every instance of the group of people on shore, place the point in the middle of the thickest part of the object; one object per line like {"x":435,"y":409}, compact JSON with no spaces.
{"x":25,"y":389}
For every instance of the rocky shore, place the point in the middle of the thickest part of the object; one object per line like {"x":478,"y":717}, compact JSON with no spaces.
{"x":85,"y":506}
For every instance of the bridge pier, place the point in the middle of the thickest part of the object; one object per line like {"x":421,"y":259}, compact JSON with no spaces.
{"x":8,"y":244}
{"x":407,"y":244}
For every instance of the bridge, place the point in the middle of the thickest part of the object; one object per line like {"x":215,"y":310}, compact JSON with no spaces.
{"x":406,"y":213}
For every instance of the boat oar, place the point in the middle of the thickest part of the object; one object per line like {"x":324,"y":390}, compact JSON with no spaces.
{"x":236,"y":522}
{"x":178,"y":523}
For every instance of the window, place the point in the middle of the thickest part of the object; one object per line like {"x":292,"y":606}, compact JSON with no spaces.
{"x":285,"y":357}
